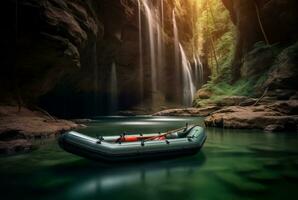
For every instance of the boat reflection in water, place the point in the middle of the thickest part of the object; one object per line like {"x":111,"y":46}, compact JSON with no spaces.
{"x":114,"y":178}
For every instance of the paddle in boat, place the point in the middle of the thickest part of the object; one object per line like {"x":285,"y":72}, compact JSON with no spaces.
{"x":181,"y":142}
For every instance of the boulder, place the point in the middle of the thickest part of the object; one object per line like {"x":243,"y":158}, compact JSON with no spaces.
{"x":19,"y":127}
{"x":203,"y":94}
{"x":277,"y":116}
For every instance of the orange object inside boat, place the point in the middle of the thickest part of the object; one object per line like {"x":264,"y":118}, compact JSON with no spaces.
{"x":139,"y":138}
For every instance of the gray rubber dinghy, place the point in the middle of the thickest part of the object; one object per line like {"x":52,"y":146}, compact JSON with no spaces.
{"x":180,"y":142}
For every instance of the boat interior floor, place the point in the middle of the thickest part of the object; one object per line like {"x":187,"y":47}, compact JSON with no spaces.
{"x":180,"y":133}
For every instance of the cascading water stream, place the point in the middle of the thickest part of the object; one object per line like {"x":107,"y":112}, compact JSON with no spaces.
{"x":141,"y":73}
{"x":185,"y":76}
{"x":113,"y":89}
{"x":196,"y":71}
{"x":159,"y":55}
{"x":201,"y":72}
{"x":187,"y":80}
{"x":176,"y":39}
{"x":160,"y":37}
{"x":150,"y":23}
{"x":160,"y":42}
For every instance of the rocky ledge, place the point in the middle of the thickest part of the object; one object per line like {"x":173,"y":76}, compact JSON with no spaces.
{"x":18,"y":127}
{"x":276,"y":116}
{"x":188,"y":111}
{"x":241,"y":112}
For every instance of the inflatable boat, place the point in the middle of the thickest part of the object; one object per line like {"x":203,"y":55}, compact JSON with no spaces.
{"x":184,"y":141}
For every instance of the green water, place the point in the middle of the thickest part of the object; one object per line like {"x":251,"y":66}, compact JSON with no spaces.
{"x":233,"y":164}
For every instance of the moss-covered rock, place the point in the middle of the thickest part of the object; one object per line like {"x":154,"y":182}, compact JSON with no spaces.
{"x":203,"y":93}
{"x":284,"y":73}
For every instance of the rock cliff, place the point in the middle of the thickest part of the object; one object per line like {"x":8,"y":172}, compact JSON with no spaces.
{"x":273,"y":22}
{"x":267,"y":51}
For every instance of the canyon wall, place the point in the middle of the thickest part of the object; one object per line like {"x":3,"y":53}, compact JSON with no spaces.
{"x":266,"y":43}
{"x":65,"y":50}
{"x":52,"y":38}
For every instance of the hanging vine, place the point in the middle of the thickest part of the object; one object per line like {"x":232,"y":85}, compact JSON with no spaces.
{"x":260,"y":23}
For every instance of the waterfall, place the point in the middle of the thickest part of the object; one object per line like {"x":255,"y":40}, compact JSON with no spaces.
{"x":141,"y":73}
{"x":185,"y":76}
{"x":150,"y":23}
{"x":113,"y":89}
{"x":176,"y":39}
{"x":196,"y":71}
{"x":159,"y":55}
{"x":160,"y":42}
{"x":187,"y":80}
{"x":201,"y":72}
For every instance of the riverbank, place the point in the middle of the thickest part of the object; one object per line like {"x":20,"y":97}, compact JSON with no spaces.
{"x":18,"y":127}
{"x":272,"y":116}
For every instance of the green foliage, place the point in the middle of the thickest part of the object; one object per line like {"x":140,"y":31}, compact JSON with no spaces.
{"x":223,"y":89}
{"x":218,"y":31}
{"x":242,"y":87}
{"x":214,"y":37}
